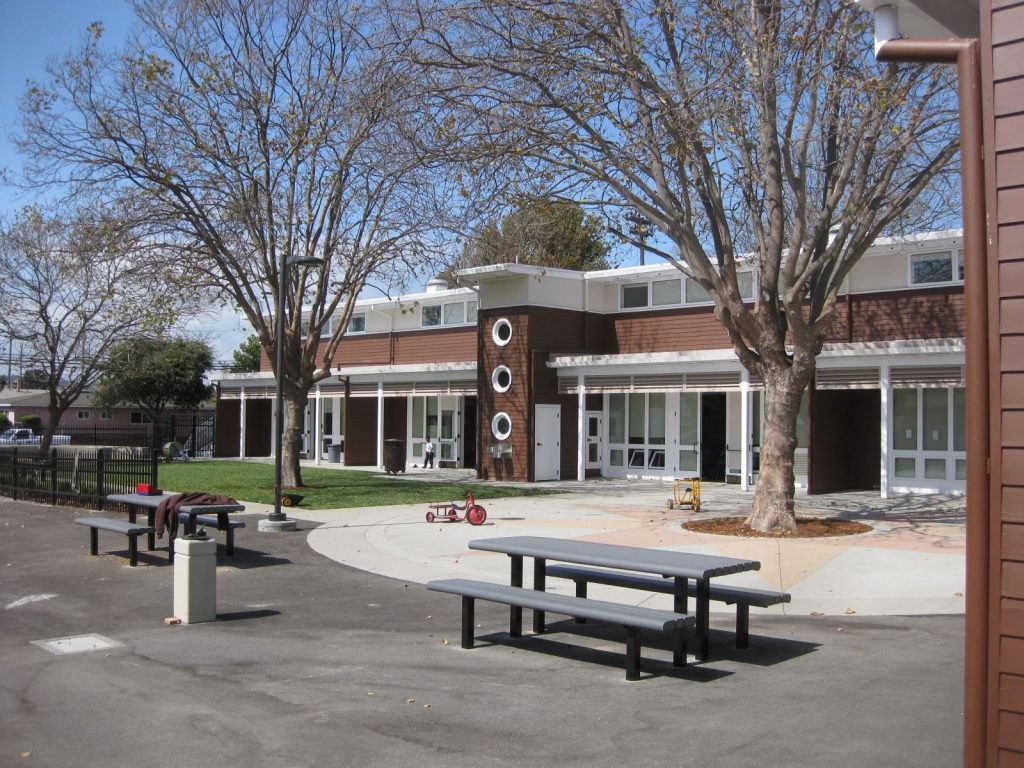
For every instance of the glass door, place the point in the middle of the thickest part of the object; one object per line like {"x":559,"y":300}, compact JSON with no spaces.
{"x":593,"y":440}
{"x":689,"y":434}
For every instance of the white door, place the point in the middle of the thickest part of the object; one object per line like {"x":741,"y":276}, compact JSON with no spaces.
{"x":547,"y":430}
{"x":593,"y":439}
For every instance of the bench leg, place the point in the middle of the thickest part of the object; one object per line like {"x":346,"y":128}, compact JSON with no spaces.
{"x":515,"y":613}
{"x":742,"y":625}
{"x":467,"y":621}
{"x":581,"y":591}
{"x":539,"y":584}
{"x":703,"y":614}
{"x":632,"y":653}
{"x":94,"y":541}
{"x":133,"y":550}
{"x":679,"y":648}
{"x":679,"y":596}
{"x":151,"y":536}
{"x":229,"y":543}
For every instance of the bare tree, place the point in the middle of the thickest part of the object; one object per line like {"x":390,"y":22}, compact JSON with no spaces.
{"x":74,"y":289}
{"x":238,"y":130}
{"x":746,"y":131}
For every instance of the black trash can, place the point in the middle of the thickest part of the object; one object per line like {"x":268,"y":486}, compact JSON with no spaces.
{"x":394,"y":456}
{"x":334,"y":453}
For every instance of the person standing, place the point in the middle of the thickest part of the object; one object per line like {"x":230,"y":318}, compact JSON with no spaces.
{"x":428,"y":453}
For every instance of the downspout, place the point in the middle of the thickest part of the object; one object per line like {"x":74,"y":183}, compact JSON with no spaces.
{"x":965,"y":54}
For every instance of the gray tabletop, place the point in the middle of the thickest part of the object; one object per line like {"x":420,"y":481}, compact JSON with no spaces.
{"x":661,"y":561}
{"x":152,"y":502}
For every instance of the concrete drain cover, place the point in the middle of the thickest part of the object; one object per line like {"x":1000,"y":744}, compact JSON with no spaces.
{"x":77,"y":644}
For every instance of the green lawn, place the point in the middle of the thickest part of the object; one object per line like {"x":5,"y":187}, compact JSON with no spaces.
{"x":325,"y":488}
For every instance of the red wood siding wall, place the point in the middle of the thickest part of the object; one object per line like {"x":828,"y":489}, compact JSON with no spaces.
{"x":1006,"y":201}
{"x":434,"y":346}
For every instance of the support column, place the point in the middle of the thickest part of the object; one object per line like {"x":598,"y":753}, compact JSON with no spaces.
{"x":581,"y":433}
{"x":745,"y":430}
{"x":380,"y":423}
{"x":273,"y":428}
{"x":885,"y":382}
{"x":241,"y":427}
{"x":318,"y":427}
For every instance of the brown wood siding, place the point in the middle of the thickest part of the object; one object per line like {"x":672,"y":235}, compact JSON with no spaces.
{"x":1004,"y":74}
{"x":671,"y":330}
{"x":936,"y":313}
{"x":441,"y":345}
{"x":360,"y":431}
{"x":229,"y":426}
{"x":515,"y":402}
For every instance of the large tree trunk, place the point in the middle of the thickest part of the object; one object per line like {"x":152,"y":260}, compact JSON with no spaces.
{"x":53,"y":414}
{"x":295,"y":399}
{"x":776,"y":485}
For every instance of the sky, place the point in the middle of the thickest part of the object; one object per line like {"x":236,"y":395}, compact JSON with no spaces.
{"x":33,"y":31}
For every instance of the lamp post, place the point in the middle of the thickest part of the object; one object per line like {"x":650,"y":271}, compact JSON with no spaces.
{"x":278,"y":520}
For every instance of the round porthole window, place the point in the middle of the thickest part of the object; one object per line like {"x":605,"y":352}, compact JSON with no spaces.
{"x":501,"y":426}
{"x":501,"y":379}
{"x":502,"y":332}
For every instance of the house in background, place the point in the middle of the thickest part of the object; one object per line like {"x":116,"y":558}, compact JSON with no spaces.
{"x":88,"y":424}
{"x":543,"y":374}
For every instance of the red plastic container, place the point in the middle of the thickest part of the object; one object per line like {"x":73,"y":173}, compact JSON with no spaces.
{"x":147,"y":489}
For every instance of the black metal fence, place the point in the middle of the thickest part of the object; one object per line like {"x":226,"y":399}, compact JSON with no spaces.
{"x":79,"y":476}
{"x":195,"y":433}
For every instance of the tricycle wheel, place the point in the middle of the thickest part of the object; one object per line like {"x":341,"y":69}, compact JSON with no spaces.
{"x":286,"y":501}
{"x":671,"y":503}
{"x":430,"y":517}
{"x":476,"y":515}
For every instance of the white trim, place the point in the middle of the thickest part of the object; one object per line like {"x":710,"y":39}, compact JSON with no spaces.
{"x":885,"y":382}
{"x":745,"y":430}
{"x":380,"y":424}
{"x":581,"y":431}
{"x":318,"y":427}
{"x":494,"y":426}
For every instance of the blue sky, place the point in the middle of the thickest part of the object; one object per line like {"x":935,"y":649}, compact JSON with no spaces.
{"x":32,"y":31}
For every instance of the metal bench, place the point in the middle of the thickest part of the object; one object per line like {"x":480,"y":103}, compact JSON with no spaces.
{"x":131,"y":530}
{"x":213,"y":521}
{"x":633,"y":618}
{"x":742,"y":597}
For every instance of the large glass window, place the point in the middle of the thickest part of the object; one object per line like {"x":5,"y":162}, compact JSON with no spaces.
{"x":636,"y":419}
{"x":802,"y":431}
{"x":634,"y":296}
{"x":470,"y":311}
{"x":931,"y":268}
{"x":432,"y":315}
{"x":357,"y":323}
{"x":454,"y":313}
{"x":959,"y":419}
{"x":695,"y":293}
{"x":417,"y":417}
{"x":904,"y":419}
{"x":936,"y":420}
{"x":656,"y":419}
{"x":666,"y":292}
{"x":616,"y":419}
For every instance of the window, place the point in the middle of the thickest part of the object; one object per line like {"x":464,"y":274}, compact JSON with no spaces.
{"x":357,"y":323}
{"x":665,"y":292}
{"x":455,"y":313}
{"x":634,"y":296}
{"x":452,"y":313}
{"x":106,"y":414}
{"x":431,"y":315}
{"x":745,"y":281}
{"x":695,"y":293}
{"x":926,"y":268}
{"x":138,"y":417}
{"x":501,"y":379}
{"x":636,"y":430}
{"x":502,"y":332}
{"x":501,"y":426}
{"x":84,"y":415}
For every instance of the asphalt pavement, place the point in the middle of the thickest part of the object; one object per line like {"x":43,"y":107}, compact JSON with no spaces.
{"x":312,"y":662}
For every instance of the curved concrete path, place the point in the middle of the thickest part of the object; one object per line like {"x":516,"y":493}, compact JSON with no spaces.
{"x":912,"y":562}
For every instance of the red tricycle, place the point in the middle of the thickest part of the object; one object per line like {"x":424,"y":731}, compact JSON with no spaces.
{"x":449,"y":511}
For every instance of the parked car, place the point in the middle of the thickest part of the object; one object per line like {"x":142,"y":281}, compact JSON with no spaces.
{"x":24,"y":436}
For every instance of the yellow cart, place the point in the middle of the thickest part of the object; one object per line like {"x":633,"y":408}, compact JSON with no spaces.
{"x":686,"y":493}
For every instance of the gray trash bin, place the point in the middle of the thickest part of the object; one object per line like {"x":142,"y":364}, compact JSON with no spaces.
{"x":394,"y":456}
{"x":334,"y":453}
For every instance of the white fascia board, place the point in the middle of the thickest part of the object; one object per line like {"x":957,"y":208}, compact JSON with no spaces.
{"x":501,"y":271}
{"x":425,"y":371}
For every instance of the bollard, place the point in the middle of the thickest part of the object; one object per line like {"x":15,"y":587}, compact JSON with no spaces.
{"x":195,"y":580}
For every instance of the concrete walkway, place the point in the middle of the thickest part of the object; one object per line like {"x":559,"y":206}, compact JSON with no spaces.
{"x":912,"y":561}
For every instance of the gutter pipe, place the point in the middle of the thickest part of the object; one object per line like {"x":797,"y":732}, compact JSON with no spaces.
{"x":964,"y":52}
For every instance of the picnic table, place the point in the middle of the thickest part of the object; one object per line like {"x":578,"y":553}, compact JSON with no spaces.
{"x":679,"y":566}
{"x":137,"y":501}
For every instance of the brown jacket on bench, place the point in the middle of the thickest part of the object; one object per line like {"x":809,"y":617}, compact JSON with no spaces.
{"x":167,"y":512}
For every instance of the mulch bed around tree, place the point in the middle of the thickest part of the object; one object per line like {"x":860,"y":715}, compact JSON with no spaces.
{"x":806,"y":528}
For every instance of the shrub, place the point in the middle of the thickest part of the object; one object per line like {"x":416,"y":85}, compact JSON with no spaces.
{"x":31,"y":421}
